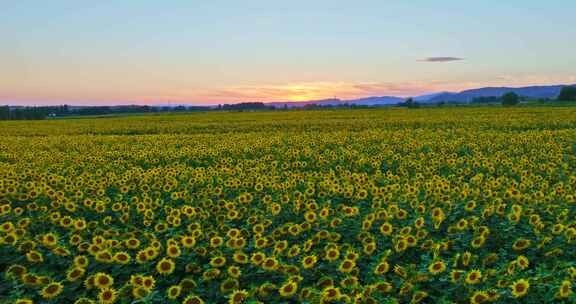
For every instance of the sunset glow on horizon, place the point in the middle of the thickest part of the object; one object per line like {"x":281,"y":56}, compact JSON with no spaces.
{"x":131,"y":52}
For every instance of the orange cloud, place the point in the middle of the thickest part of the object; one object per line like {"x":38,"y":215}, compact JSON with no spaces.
{"x":345,"y":90}
{"x":296,"y":92}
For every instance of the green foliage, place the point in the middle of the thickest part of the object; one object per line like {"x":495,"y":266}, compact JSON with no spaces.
{"x":410,"y":103}
{"x":510,"y":99}
{"x":567,"y":94}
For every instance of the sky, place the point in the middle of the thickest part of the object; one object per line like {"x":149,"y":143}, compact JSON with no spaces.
{"x":210,"y":52}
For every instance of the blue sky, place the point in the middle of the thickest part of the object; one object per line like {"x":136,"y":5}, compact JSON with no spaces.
{"x":110,"y":52}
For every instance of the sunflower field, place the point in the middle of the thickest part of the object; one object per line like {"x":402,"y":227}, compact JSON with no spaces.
{"x":446,"y":205}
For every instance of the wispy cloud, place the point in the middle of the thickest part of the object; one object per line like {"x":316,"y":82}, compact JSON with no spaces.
{"x":441,"y":59}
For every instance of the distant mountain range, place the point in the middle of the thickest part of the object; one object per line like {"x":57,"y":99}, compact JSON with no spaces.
{"x":534,"y":92}
{"x":466,"y":96}
{"x":368,"y":101}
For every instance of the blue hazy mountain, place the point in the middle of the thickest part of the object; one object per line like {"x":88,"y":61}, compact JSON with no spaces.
{"x":534,"y":92}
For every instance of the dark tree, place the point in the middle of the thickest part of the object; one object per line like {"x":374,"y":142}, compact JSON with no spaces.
{"x":567,"y":94}
{"x":410,"y":103}
{"x":510,"y":99}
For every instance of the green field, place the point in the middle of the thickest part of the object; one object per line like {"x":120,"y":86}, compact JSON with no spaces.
{"x":429,"y":205}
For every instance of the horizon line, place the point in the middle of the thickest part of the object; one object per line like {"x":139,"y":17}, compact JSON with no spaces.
{"x":192,"y":104}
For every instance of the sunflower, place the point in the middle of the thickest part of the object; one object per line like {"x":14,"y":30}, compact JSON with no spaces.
{"x":332,"y":254}
{"x":188,"y":242}
{"x":522,"y":261}
{"x":279,"y":246}
{"x":136,"y":280}
{"x":330,"y":294}
{"x":305,"y":294}
{"x":228,"y":285}
{"x":165,"y":266}
{"x":479,"y":297}
{"x":16,"y":270}
{"x":462,"y":224}
{"x":520,"y":288}
{"x":456,"y":275}
{"x":386,"y":229}
{"x":490,"y":259}
{"x":521,"y":244}
{"x":141,"y":257}
{"x":9,"y":239}
{"x":44,"y":280}
{"x":50,"y":239}
{"x":349,"y":282}
{"x":369,"y":248}
{"x":419,"y":296}
{"x":148,"y":282}
{"x":89,"y":282}
{"x":383,"y":286}
{"x":288,"y":290}
{"x":240,"y":257}
{"x":139,"y":292}
{"x":34,"y":257}
{"x":238,"y":243}
{"x":381,"y":268}
{"x":51,"y":290}
{"x":216,"y":241}
{"x":294,"y":251}
{"x":470,"y":206}
{"x":188,"y":284}
{"x":269,"y":264}
{"x":75,"y":240}
{"x":24,"y":301}
{"x":493,"y":295}
{"x":132,"y":243}
{"x":477,"y":242}
{"x":401,"y":245}
{"x":151,"y":253}
{"x":266,"y":289}
{"x":75,"y":274}
{"x":104,"y":256}
{"x":173,"y":292}
{"x":406,"y":288}
{"x":347,"y":266}
{"x":9,"y":226}
{"x":211,"y":274}
{"x":473,"y":277}
{"x":466,"y":257}
{"x":565,"y":290}
{"x":30,"y":279}
{"x":557,"y":229}
{"x":257,"y":258}
{"x":192,"y":299}
{"x":218,"y":261}
{"x":437,"y":267}
{"x":399,"y":270}
{"x":309,"y":261}
{"x":173,"y":251}
{"x":107,"y":296}
{"x":234,"y":271}
{"x":238,"y":296}
{"x":261,"y":242}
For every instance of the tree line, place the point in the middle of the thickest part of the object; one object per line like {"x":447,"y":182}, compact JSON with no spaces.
{"x":34,"y":113}
{"x":38,"y":113}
